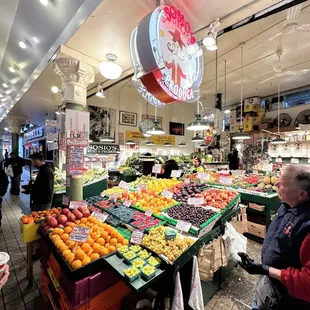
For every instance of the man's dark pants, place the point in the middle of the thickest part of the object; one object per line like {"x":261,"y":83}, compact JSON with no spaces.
{"x":15,"y":184}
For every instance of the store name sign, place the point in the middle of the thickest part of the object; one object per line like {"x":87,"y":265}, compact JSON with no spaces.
{"x":102,"y":149}
{"x":167,"y":61}
{"x":34,"y":134}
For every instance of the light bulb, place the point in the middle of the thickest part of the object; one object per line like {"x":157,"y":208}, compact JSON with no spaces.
{"x":55,"y":89}
{"x":11,"y":69}
{"x":212,"y":47}
{"x":208,"y":41}
{"x":22,"y":45}
{"x":44,"y":2}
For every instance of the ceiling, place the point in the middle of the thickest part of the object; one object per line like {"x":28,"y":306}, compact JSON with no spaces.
{"x":108,"y":28}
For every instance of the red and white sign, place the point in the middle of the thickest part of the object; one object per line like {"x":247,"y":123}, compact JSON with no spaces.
{"x":167,"y":61}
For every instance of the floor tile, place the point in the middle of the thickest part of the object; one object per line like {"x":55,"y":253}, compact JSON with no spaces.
{"x":37,"y":303}
{"x":12,"y":296}
{"x":15,"y":304}
{"x":31,"y":296}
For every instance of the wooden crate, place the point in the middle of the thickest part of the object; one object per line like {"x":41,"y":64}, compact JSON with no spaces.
{"x":256,"y":229}
{"x":257,"y":207}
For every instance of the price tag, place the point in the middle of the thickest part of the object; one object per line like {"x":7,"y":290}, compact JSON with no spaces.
{"x":127,"y":203}
{"x":255,"y":172}
{"x":176,"y":173}
{"x":148,"y":212}
{"x":295,"y":161}
{"x":167,"y":194}
{"x":141,"y":186}
{"x":100,"y":216}
{"x":65,"y":200}
{"x":195,"y":201}
{"x":79,"y":234}
{"x":203,"y":176}
{"x":124,"y":185}
{"x":225,"y":180}
{"x":278,"y":160}
{"x":267,"y":167}
{"x":77,"y":204}
{"x":156,"y":168}
{"x":137,"y":167}
{"x":136,"y":236}
{"x":183,"y":226}
{"x":113,"y":197}
{"x":308,"y":160}
{"x":187,"y":181}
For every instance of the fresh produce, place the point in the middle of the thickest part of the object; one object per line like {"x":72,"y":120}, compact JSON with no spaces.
{"x":191,"y":214}
{"x":187,"y":191}
{"x":144,"y":254}
{"x":123,"y":249}
{"x":172,"y":249}
{"x":148,"y":270}
{"x":128,"y":171}
{"x":156,"y":185}
{"x":130,"y":255}
{"x":94,"y":199}
{"x":106,"y":204}
{"x":135,"y":248}
{"x":38,"y":216}
{"x":132,"y":272}
{"x":138,"y":263}
{"x":142,"y":221}
{"x":154,"y":261}
{"x":114,"y":190}
{"x":122,"y":213}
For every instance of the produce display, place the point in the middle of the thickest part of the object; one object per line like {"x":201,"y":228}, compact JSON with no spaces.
{"x":144,"y":254}
{"x":106,"y":204}
{"x":142,"y":221}
{"x":122,"y":213}
{"x":129,"y":255}
{"x":132,"y":273}
{"x":148,"y":200}
{"x":191,"y":214}
{"x":128,"y":171}
{"x":172,"y":249}
{"x":266,"y":184}
{"x":38,"y":216}
{"x":185,"y":191}
{"x":112,"y":220}
{"x":148,"y":272}
{"x":138,"y":263}
{"x":113,"y":191}
{"x":153,"y":261}
{"x":154,"y":184}
{"x":94,"y":199}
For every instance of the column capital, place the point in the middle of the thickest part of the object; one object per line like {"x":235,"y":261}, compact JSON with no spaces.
{"x":15,"y":122}
{"x":75,"y":75}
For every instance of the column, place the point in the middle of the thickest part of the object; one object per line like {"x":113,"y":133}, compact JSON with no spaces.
{"x":15,"y":123}
{"x":75,"y":75}
{"x":1,"y":149}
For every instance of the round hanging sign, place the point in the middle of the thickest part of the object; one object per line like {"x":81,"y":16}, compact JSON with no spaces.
{"x":167,"y":61}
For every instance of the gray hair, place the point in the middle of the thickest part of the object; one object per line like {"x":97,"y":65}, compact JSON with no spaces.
{"x":300,"y":174}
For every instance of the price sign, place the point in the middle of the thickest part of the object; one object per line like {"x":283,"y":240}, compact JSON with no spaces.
{"x":79,"y":234}
{"x":195,"y":201}
{"x":203,"y":176}
{"x":267,"y":167}
{"x":136,"y":236}
{"x":77,"y":204}
{"x":65,"y":200}
{"x":295,"y":161}
{"x":187,"y":181}
{"x":225,"y":180}
{"x":278,"y":160}
{"x":148,"y":212}
{"x":167,"y":194}
{"x":100,"y":216}
{"x":255,"y":172}
{"x":124,"y":185}
{"x":141,"y":186}
{"x":308,"y":160}
{"x":156,"y":168}
{"x":127,"y":203}
{"x":113,"y":197}
{"x":183,"y":226}
{"x":176,"y":173}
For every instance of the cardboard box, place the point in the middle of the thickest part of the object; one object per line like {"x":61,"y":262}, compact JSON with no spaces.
{"x":256,"y":229}
{"x":29,"y":232}
{"x":256,"y":207}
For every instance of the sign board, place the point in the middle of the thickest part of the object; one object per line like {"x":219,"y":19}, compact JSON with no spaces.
{"x":79,"y":234}
{"x":167,"y":194}
{"x":124,"y":185}
{"x":76,"y":160}
{"x":278,"y":160}
{"x":102,"y":149}
{"x":52,"y":146}
{"x":77,"y":137}
{"x":195,"y":201}
{"x":136,"y":236}
{"x":134,"y":135}
{"x":203,"y":176}
{"x":102,"y":217}
{"x":34,"y":134}
{"x":225,"y":180}
{"x":176,"y":173}
{"x":148,"y":212}
{"x":127,"y":203}
{"x":113,"y":197}
{"x":183,"y":226}
{"x":52,"y":123}
{"x":52,"y":137}
{"x":170,"y":62}
{"x":77,"y":204}
{"x":156,"y":168}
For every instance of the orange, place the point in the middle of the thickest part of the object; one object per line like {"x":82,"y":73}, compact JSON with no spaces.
{"x":96,"y":248}
{"x":118,"y":245}
{"x":55,"y":231}
{"x":65,"y":236}
{"x":111,"y":248}
{"x":54,"y":237}
{"x":113,"y":241}
{"x":70,"y":257}
{"x":104,"y":234}
{"x":63,"y":248}
{"x":86,"y":260}
{"x":94,"y":256}
{"x":120,"y":238}
{"x":90,"y":241}
{"x":71,"y":224}
{"x":84,"y":220}
{"x":25,"y":219}
{"x":88,"y":224}
{"x":90,"y":252}
{"x":66,"y":252}
{"x":80,"y":254}
{"x":95,"y":236}
{"x":108,"y":228}
{"x":68,"y":230}
{"x":125,"y":242}
{"x":101,"y":241}
{"x":77,"y":222}
{"x":76,"y":264}
{"x":91,"y":219}
{"x":30,"y":221}
{"x":114,"y":234}
{"x":61,"y":231}
{"x":107,"y":245}
{"x":85,"y":247}
{"x":58,"y":243}
{"x":104,"y":251}
{"x":70,"y":244}
{"x":108,"y":239}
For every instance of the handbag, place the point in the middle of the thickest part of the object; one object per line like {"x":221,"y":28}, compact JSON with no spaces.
{"x":9,"y":171}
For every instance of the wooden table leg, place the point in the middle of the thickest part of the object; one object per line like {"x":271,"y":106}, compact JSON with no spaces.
{"x":30,"y":264}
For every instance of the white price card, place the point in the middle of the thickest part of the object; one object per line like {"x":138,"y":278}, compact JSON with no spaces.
{"x":255,"y":172}
{"x":113,"y":197}
{"x":100,"y":216}
{"x":156,"y":168}
{"x":294,"y":161}
{"x":77,"y":204}
{"x":225,"y":180}
{"x":148,"y":212}
{"x":195,"y":201}
{"x":183,"y":226}
{"x":79,"y":234}
{"x":308,"y":160}
{"x":203,"y":176}
{"x":124,"y":185}
{"x":187,"y":181}
{"x":65,"y":200}
{"x":136,"y":236}
{"x":176,"y":173}
{"x":167,"y":194}
{"x":278,"y":160}
{"x":127,"y":203}
{"x":141,"y":186}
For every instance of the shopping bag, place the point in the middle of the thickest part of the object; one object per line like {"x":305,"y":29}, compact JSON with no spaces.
{"x":195,"y":298}
{"x":9,"y":171}
{"x":206,"y":262}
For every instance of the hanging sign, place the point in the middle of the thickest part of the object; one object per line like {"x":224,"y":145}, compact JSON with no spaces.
{"x":76,"y":160}
{"x":102,"y":149}
{"x":34,"y":134}
{"x":52,"y":123}
{"x":167,"y":61}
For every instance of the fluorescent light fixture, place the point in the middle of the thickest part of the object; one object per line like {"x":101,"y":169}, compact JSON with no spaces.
{"x":156,"y":130}
{"x":198,"y":124}
{"x":167,"y":144}
{"x":12,"y":69}
{"x":5,"y":85}
{"x":44,"y":2}
{"x":241,"y":135}
{"x":110,"y":69}
{"x":22,"y":45}
{"x":130,"y":142}
{"x":227,"y":111}
{"x":197,"y":138}
{"x":278,"y":140}
{"x":55,"y":89}
{"x":182,"y":144}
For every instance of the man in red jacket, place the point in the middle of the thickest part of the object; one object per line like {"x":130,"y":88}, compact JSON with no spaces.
{"x":286,"y":250}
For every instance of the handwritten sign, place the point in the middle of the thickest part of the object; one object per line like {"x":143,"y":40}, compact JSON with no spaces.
{"x":51,"y":123}
{"x":141,"y":186}
{"x":136,"y":236}
{"x":156,"y":168}
{"x":294,"y":161}
{"x":79,"y":234}
{"x":176,"y":173}
{"x":203,"y":176}
{"x":148,"y":212}
{"x":102,"y":217}
{"x":225,"y":180}
{"x":77,"y":204}
{"x":278,"y":160}
{"x":183,"y":226}
{"x":195,"y":201}
{"x":113,"y":197}
{"x":65,"y":200}
{"x":124,"y":185}
{"x":167,"y":194}
{"x":127,"y":203}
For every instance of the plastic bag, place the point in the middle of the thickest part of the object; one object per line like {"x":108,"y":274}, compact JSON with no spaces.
{"x":206,"y":262}
{"x":234,"y":242}
{"x":9,"y":171}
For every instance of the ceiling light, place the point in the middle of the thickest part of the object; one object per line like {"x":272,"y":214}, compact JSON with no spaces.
{"x":146,"y":135}
{"x":197,"y":138}
{"x":110,"y":69}
{"x":55,"y":89}
{"x":63,"y":110}
{"x":130,"y":142}
{"x":6,"y":128}
{"x":212,"y":47}
{"x":22,"y":45}
{"x":209,"y":40}
{"x":198,"y":124}
{"x":182,"y":144}
{"x":203,"y":145}
{"x":44,"y":2}
{"x":227,"y":111}
{"x":167,"y":144}
{"x":156,"y":130}
{"x":241,"y":135}
{"x":100,"y":93}
{"x":149,"y":142}
{"x":107,"y":138}
{"x":5,"y":85}
{"x":278,"y":140}
{"x":12,"y":69}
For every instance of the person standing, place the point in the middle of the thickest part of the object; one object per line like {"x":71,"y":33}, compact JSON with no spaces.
{"x":233,"y":160}
{"x":169,"y":166}
{"x":17,"y":164}
{"x":4,"y":183}
{"x":42,"y":190}
{"x":6,"y":154}
{"x":285,"y":268}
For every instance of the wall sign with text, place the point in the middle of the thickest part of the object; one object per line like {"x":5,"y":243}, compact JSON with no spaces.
{"x":99,"y":148}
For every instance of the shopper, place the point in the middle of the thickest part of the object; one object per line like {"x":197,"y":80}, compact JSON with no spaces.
{"x":5,"y":276}
{"x":233,"y":159}
{"x":17,"y":164}
{"x":42,"y":190}
{"x":285,"y":267}
{"x":6,"y":154}
{"x":4,"y":182}
{"x":169,"y":166}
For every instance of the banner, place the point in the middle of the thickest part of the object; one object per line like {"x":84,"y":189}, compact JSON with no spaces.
{"x":159,"y":140}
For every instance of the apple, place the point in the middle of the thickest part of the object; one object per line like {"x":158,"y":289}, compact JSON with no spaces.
{"x":71,"y":217}
{"x":65,"y":211}
{"x":78,"y":215}
{"x":62,"y":219}
{"x":52,"y":222}
{"x":86,"y":213}
{"x":61,"y":226}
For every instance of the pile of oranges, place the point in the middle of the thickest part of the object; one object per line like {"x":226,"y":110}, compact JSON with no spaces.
{"x":102,"y":239}
{"x":39,"y":215}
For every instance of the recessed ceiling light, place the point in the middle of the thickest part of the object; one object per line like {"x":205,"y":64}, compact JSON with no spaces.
{"x":5,"y":85}
{"x":22,"y":44}
{"x":6,"y":128}
{"x":44,"y":2}
{"x":55,"y":89}
{"x":12,"y":69}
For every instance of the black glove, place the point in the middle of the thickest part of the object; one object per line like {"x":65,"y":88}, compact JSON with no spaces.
{"x":248,"y":264}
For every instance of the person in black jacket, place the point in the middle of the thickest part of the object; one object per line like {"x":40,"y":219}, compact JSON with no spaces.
{"x":17,"y":164}
{"x":42,"y":190}
{"x":169,"y":166}
{"x":4,"y":183}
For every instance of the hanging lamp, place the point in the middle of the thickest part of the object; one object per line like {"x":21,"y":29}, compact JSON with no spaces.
{"x":156,"y":130}
{"x":167,"y":144}
{"x":149,"y":143}
{"x":182,"y":144}
{"x":198,"y":123}
{"x":197,"y":138}
{"x":241,"y":135}
{"x":110,"y":69}
{"x":278,"y":139}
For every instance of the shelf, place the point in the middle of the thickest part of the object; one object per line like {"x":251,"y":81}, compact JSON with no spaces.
{"x":255,"y":211}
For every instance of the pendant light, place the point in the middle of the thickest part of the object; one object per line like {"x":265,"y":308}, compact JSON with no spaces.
{"x":149,"y":143}
{"x":278,"y":139}
{"x":241,"y":135}
{"x":183,"y":143}
{"x":197,"y":138}
{"x":110,"y":69}
{"x":167,"y":144}
{"x":198,"y":123}
{"x":156,"y":130}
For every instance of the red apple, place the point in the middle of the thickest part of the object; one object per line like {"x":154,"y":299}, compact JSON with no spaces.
{"x":71,"y":217}
{"x":86,"y":213}
{"x":78,"y":215}
{"x":65,"y":211}
{"x":60,"y":226}
{"x":52,"y":222}
{"x":62,"y":219}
